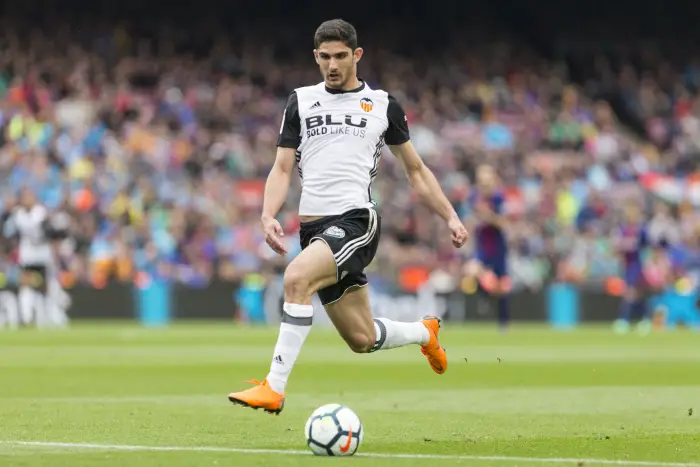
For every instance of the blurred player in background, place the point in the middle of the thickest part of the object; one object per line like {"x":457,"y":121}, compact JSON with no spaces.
{"x":490,"y":265}
{"x":631,"y":242}
{"x":334,"y":131}
{"x":687,"y":267}
{"x":688,"y":258}
{"x":677,"y":302}
{"x":40,"y":293}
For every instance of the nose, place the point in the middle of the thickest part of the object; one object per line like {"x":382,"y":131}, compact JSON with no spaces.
{"x":333,"y":65}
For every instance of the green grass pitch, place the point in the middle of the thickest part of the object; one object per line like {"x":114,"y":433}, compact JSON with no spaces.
{"x":119,"y":395}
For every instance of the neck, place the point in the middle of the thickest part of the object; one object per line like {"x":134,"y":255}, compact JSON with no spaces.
{"x":352,"y":83}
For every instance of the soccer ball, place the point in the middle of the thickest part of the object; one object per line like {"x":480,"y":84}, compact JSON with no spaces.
{"x":333,"y":430}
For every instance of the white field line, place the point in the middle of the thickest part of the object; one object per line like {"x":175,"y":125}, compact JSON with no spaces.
{"x":541,"y":460}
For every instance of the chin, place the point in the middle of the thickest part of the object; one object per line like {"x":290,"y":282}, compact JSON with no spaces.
{"x":334,"y":83}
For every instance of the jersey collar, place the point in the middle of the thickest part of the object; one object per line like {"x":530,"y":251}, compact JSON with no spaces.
{"x":340,"y":91}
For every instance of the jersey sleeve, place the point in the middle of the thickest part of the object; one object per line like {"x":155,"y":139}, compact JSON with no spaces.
{"x":397,"y":132}
{"x":290,"y":131}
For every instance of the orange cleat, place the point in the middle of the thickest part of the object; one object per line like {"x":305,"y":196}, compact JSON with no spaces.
{"x":433,"y":350}
{"x":261,"y":396}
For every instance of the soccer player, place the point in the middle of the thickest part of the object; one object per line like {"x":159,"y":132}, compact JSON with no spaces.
{"x":335,"y":131}
{"x":491,"y":245}
{"x":631,"y":240}
{"x":36,"y":257}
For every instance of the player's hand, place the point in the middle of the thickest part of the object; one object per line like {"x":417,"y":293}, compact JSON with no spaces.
{"x":273,"y":234}
{"x":459,"y":232}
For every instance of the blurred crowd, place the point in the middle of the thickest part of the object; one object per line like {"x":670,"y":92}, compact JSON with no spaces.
{"x":159,"y":152}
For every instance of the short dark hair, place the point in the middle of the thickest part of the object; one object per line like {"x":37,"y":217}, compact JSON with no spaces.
{"x":336,"y":30}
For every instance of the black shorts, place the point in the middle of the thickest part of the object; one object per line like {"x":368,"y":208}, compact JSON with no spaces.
{"x":39,"y":272}
{"x":353,"y":238}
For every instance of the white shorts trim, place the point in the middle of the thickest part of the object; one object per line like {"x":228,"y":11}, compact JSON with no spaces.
{"x":351,"y":247}
{"x":359,"y":286}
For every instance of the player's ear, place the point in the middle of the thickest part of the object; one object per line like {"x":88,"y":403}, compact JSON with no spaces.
{"x":357,"y":54}
{"x":316,"y":56}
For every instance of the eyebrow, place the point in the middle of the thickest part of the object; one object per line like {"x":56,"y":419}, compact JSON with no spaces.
{"x":344,"y":52}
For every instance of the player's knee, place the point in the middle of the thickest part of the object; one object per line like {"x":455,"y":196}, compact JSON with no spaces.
{"x":297,"y":287}
{"x":360,"y":342}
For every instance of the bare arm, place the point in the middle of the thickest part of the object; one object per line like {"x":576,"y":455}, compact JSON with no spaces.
{"x":421,"y":178}
{"x":279,"y":178}
{"x":278,"y":181}
{"x":423,"y":181}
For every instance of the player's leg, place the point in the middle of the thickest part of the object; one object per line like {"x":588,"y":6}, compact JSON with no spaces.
{"x":30,"y":298}
{"x":352,"y":317}
{"x":313,"y":269}
{"x":494,"y":286}
{"x":347,"y":302}
{"x":627,"y":306}
{"x":350,"y":313}
{"x":476,"y":274}
{"x":25,"y":297}
{"x":57,"y":301}
{"x":63,"y":302}
{"x":643,"y":310}
{"x":8,"y":303}
{"x":41,"y":303}
{"x":502,"y":291}
{"x":3,"y":314}
{"x":348,"y":307}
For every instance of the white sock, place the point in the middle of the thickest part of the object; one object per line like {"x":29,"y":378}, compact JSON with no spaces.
{"x":26,"y":304}
{"x":40,"y":308}
{"x":57,"y":301}
{"x":296,"y":325}
{"x":392,"y":334}
{"x":9,"y":304}
{"x":60,"y":318}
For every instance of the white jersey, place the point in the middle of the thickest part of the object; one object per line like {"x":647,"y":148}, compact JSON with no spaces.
{"x":339,"y":137}
{"x":34,"y":246}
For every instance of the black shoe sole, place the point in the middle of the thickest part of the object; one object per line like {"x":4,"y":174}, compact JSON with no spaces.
{"x":235,"y":401}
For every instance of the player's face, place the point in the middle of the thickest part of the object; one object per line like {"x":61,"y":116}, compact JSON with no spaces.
{"x":662,"y":208}
{"x":337,"y":62}
{"x":486,"y":178}
{"x":632,"y":214}
{"x":28,"y":198}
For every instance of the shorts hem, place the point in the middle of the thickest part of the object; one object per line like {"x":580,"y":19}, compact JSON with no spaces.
{"x":359,"y":286}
